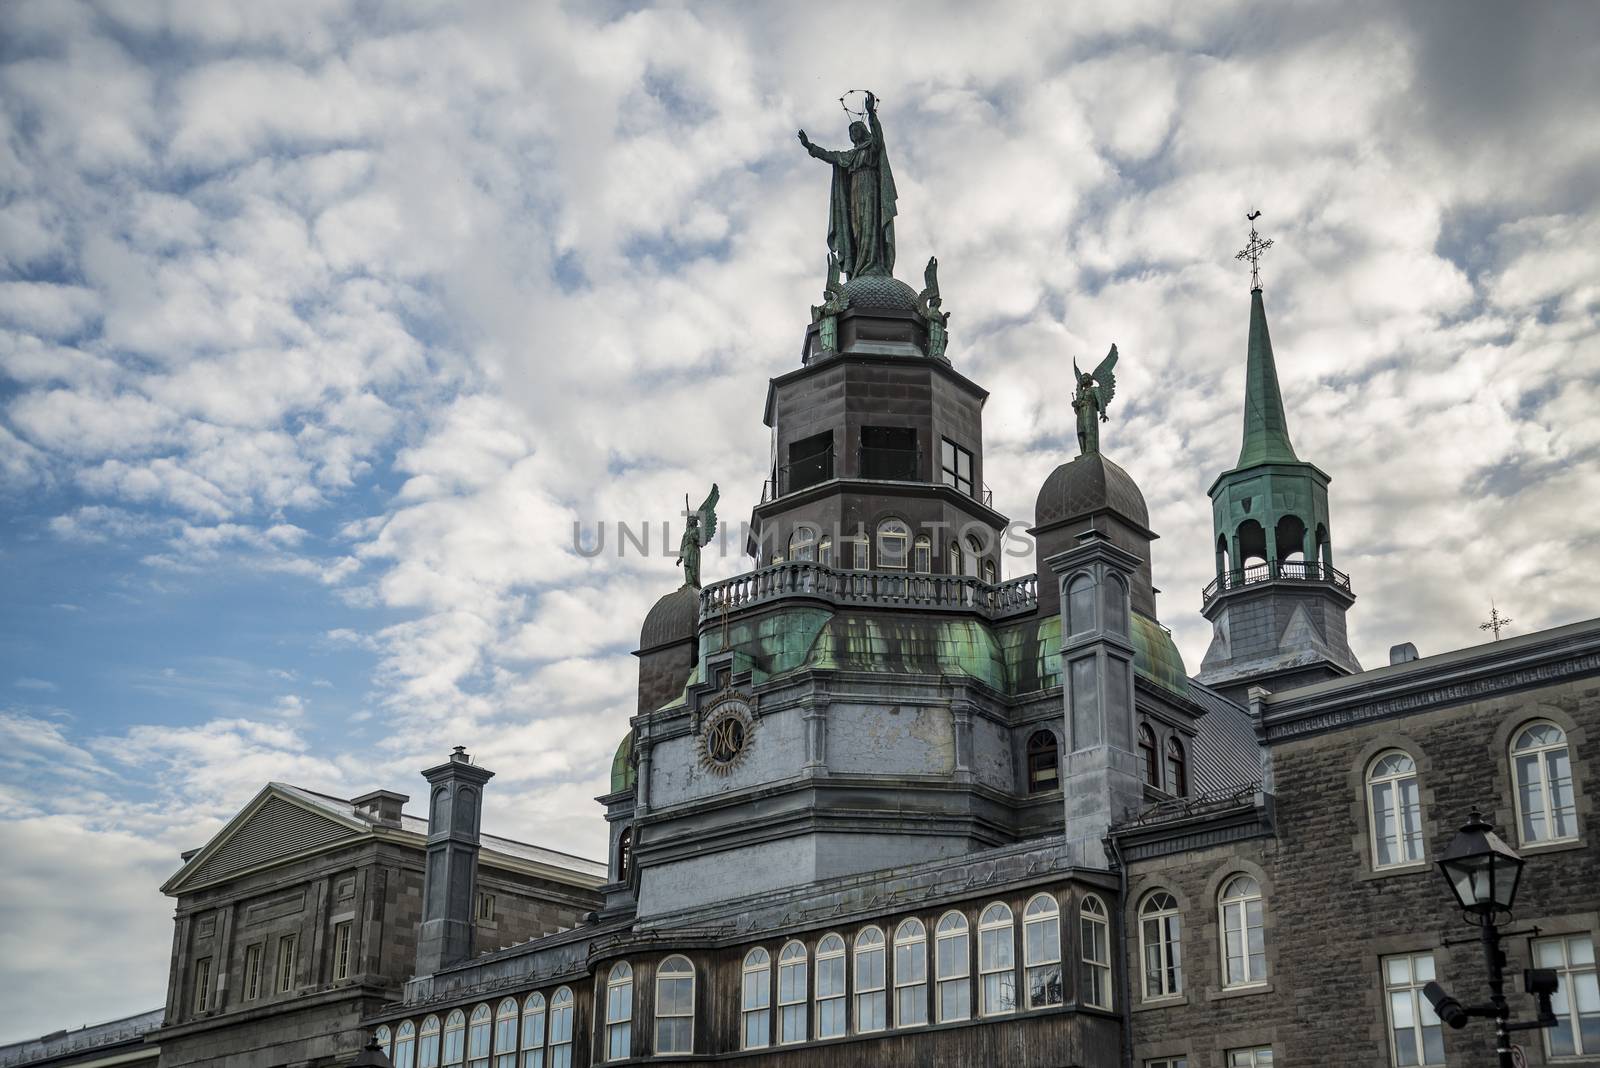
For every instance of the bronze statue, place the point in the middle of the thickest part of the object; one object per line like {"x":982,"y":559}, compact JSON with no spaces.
{"x":861,"y":205}
{"x":699,"y":527}
{"x":1090,"y":400}
{"x":826,"y":314}
{"x":930,"y":306}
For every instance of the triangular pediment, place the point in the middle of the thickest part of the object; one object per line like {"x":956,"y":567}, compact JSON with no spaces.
{"x":274,"y":827}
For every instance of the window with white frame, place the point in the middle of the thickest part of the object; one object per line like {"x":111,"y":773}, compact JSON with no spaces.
{"x":286,"y":962}
{"x":830,"y":987}
{"x":793,"y":989}
{"x":428,"y":1043}
{"x":202,"y":984}
{"x":505,"y":1034}
{"x":1244,"y":951}
{"x":894,"y":540}
{"x":1041,"y":951}
{"x":872,"y":981}
{"x":1094,"y":932}
{"x":252,"y":971}
{"x":619,"y":1012}
{"x":405,"y":1045}
{"x":385,"y":1040}
{"x":1394,"y":810}
{"x":755,"y":1004}
{"x":341,"y":949}
{"x":480,"y":1030}
{"x":803,"y":545}
{"x":561,"y":1012}
{"x":953,"y":968}
{"x":997,"y":963}
{"x":1168,"y":1062}
{"x":922,"y":554}
{"x":860,"y":551}
{"x":1577,"y":998}
{"x":533,"y":1014}
{"x":1541,"y":765}
{"x":974,"y":557}
{"x":1161,"y":945}
{"x":675,"y":1006}
{"x":825,"y":551}
{"x":954,"y":564}
{"x":910,"y":974}
{"x":1250,"y":1058}
{"x":1415,"y":1035}
{"x":455,"y":1038}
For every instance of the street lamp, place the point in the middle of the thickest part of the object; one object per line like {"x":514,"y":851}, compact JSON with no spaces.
{"x":372,"y":1057}
{"x":1483,"y":873}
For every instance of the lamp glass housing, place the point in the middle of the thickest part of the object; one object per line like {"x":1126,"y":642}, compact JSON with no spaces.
{"x":1483,"y":872}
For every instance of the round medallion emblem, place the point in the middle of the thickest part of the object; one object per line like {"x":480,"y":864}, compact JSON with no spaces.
{"x":725,"y":734}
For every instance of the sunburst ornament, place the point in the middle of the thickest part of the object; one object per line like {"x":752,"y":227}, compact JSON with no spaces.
{"x":725,"y":734}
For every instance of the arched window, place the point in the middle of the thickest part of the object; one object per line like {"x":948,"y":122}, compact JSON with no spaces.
{"x":561,"y":1029}
{"x":803,"y":545}
{"x":1252,"y":543}
{"x":1094,"y":931}
{"x":825,"y":551}
{"x":405,"y":1045}
{"x":894,"y":541}
{"x":428,"y":1043}
{"x":953,"y":965}
{"x":1177,"y":768}
{"x":479,"y":1033}
{"x":830,"y":987}
{"x":910,"y":974}
{"x":1160,"y":945}
{"x":1041,"y":951}
{"x":505,"y":1034}
{"x":385,"y":1040}
{"x":1222,"y":555}
{"x":997,"y":961}
{"x":1244,"y":951}
{"x":922,"y":555}
{"x":1080,"y":605}
{"x":1149,"y":766}
{"x":1290,"y":538}
{"x":1394,"y":810}
{"x":533,"y":1031}
{"x":955,"y":558}
{"x":1541,"y":765}
{"x":989,"y":573}
{"x":755,"y":1005}
{"x":860,"y":550}
{"x":455,"y":1038}
{"x":624,"y":853}
{"x":1043,"y":763}
{"x":974,"y":554}
{"x":1116,"y":600}
{"x":872,"y":981}
{"x":619,"y":1012}
{"x":792,"y":993}
{"x":675,"y":1006}
{"x":1324,"y":548}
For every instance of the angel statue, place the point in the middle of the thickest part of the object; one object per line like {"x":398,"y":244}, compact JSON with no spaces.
{"x":931,"y":307}
{"x":826,"y":314}
{"x":862,"y":201}
{"x":699,"y":527}
{"x":1089,"y":400}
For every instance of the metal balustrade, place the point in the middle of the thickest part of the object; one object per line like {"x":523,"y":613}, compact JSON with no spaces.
{"x":1280,"y":570}
{"x":875,"y":589}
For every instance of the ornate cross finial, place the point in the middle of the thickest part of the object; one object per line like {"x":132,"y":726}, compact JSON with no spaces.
{"x":1496,"y":621}
{"x":1253,"y":250}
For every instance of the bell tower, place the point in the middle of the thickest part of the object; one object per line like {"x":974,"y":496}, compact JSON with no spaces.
{"x":1277,"y":606}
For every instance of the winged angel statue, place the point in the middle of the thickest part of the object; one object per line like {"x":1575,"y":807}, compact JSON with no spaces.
{"x":1090,"y":399}
{"x":699,"y":527}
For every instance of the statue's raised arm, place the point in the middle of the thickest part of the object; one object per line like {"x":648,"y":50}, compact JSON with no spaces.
{"x":862,"y":201}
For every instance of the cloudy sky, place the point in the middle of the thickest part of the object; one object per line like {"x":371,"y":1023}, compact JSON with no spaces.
{"x":322,"y":323}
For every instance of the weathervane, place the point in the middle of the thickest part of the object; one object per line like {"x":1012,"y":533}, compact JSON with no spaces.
{"x":1253,"y":250}
{"x":1496,"y":621}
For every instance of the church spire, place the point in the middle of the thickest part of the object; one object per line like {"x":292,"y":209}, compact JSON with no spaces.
{"x":1266,"y":428}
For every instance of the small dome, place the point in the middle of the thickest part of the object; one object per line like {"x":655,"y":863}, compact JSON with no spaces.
{"x":672,"y":619}
{"x":880,"y":292}
{"x":623,"y":775}
{"x":1086,"y":485}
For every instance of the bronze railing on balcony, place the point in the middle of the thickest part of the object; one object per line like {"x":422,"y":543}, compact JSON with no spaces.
{"x":1290,"y":570}
{"x":876,"y":589}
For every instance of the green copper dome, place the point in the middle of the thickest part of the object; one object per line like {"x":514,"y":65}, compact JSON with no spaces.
{"x":880,"y":292}
{"x":1156,"y":656}
{"x":623,"y":775}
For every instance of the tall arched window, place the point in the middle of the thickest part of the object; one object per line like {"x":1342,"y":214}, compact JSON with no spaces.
{"x":1394,"y":810}
{"x":953,"y":968}
{"x":990,"y":575}
{"x":624,"y":853}
{"x":872,"y":980}
{"x":803,"y":545}
{"x":793,"y":990}
{"x":385,"y":1040}
{"x":479,"y":1033}
{"x":1043,"y":762}
{"x":405,"y":1045}
{"x":1161,"y":945}
{"x":428,"y":1043}
{"x":561,"y":1007}
{"x":825,"y":551}
{"x":955,"y":558}
{"x":974,"y":554}
{"x":1177,"y":768}
{"x":755,"y":1005}
{"x":997,"y":961}
{"x":675,"y":1006}
{"x":1080,"y":605}
{"x":1149,"y":766}
{"x":894,"y":543}
{"x":1244,"y":951}
{"x":505,"y":1034}
{"x":1041,"y":951}
{"x":533,"y":1031}
{"x":830,"y":987}
{"x":619,"y":1012}
{"x":860,"y":550}
{"x":1094,"y":931}
{"x":922,"y":555}
{"x":910,"y":974}
{"x":1541,"y":765}
{"x":455,"y":1038}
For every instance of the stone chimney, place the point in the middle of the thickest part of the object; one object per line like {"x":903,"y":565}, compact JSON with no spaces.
{"x":381,"y":807}
{"x":455,"y":796}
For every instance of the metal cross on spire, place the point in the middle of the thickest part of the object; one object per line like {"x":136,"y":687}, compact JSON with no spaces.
{"x":1253,"y":250}
{"x":1496,"y":621}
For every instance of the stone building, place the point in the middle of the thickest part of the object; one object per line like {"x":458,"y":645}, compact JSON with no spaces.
{"x":879,"y":807}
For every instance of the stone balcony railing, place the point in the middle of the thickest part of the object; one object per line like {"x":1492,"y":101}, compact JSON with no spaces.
{"x":870,"y":589}
{"x":1282,"y":570}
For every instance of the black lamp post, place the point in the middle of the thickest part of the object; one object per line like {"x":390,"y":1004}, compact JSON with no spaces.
{"x":1483,"y":873}
{"x":372,"y":1057}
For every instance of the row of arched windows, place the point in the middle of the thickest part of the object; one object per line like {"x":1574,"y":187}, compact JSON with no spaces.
{"x":1241,"y":935}
{"x":892,"y":549}
{"x":526,"y":1034}
{"x":1166,"y":768}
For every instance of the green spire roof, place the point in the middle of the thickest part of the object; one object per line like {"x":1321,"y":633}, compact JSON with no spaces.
{"x":1266,"y":430}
